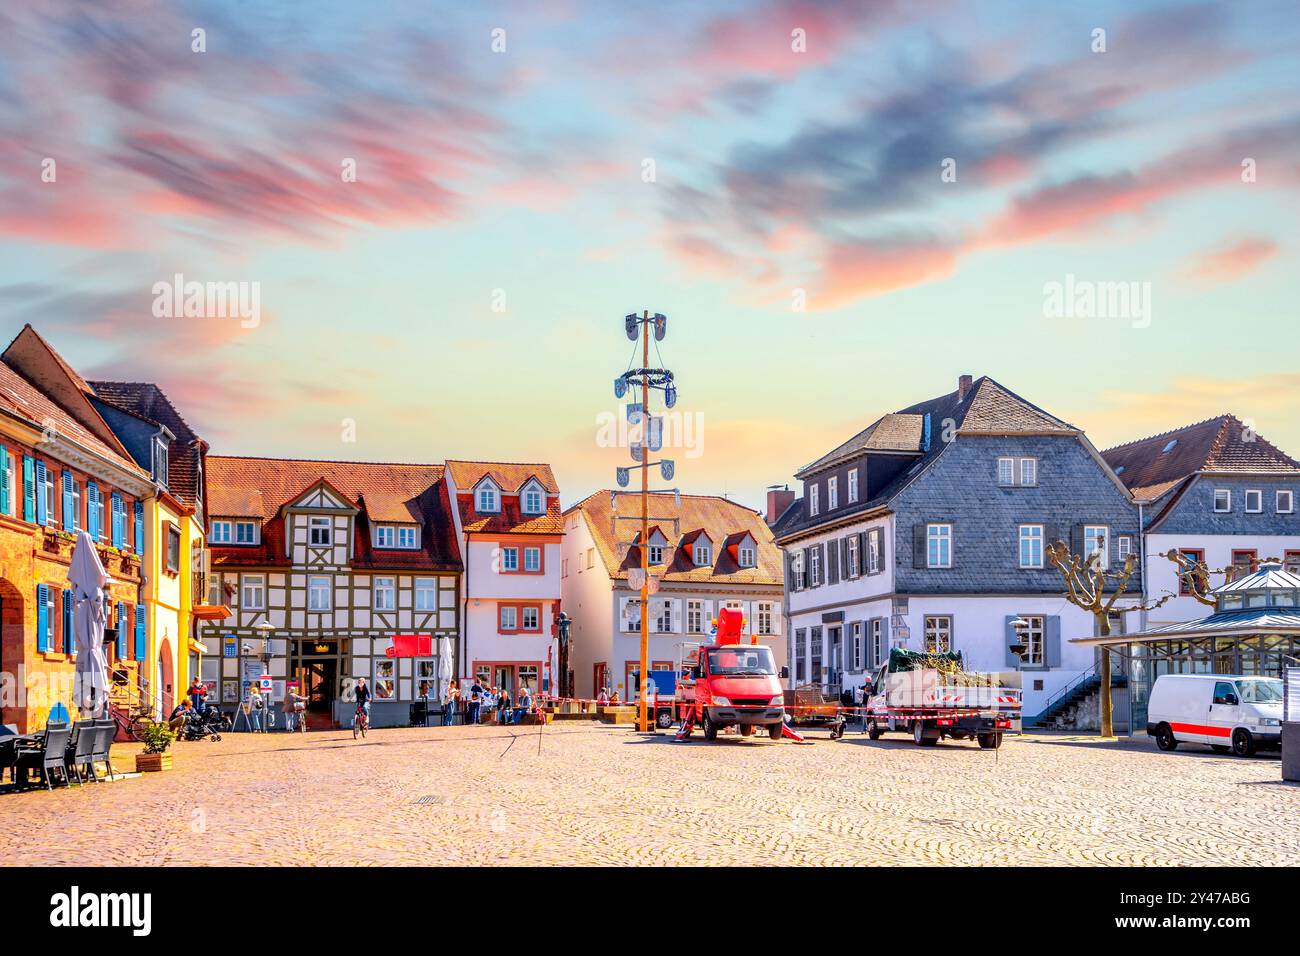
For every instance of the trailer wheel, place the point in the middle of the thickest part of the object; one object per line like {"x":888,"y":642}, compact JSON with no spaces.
{"x":710,"y":728}
{"x":873,"y":730}
{"x":990,"y":741}
{"x":664,"y":720}
{"x":922,"y":738}
{"x":746,"y":730}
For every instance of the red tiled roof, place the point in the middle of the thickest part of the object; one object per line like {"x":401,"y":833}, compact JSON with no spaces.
{"x":510,"y":519}
{"x":242,"y":487}
{"x":717,"y":517}
{"x":1149,"y":467}
{"x":509,"y":476}
{"x":23,"y":399}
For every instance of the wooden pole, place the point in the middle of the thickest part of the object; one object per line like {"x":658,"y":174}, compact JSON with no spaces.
{"x":642,"y":709}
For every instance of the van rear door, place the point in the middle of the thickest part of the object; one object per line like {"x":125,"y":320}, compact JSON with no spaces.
{"x":1224,"y":714}
{"x":1189,"y":709}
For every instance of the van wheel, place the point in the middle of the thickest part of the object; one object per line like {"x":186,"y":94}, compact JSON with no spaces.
{"x":990,"y":741}
{"x":774,"y":731}
{"x":1165,"y":738}
{"x":710,"y":728}
{"x":873,"y":730}
{"x":664,"y":720}
{"x":1243,"y":744}
{"x":746,"y":730}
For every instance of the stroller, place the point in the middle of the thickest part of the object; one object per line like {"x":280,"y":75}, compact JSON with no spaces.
{"x":208,"y":724}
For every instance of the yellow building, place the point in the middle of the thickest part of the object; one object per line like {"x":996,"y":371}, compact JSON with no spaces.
{"x":175,"y":559}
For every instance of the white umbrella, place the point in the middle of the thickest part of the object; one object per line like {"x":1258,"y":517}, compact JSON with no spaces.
{"x":444,"y":666}
{"x":88,"y":579}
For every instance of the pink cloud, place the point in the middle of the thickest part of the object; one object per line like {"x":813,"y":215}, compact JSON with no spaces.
{"x":1231,"y":262}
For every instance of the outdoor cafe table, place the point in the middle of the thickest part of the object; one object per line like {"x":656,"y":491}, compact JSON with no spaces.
{"x":10,"y":744}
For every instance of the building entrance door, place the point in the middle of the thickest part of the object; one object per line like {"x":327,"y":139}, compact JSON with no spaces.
{"x":318,"y":682}
{"x":503,"y":676}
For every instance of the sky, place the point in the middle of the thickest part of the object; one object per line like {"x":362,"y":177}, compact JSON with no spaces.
{"x":840,"y":207}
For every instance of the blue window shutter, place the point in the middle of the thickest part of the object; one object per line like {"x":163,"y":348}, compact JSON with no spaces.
{"x":92,"y":510}
{"x":42,"y":617}
{"x":118,"y":529}
{"x":139,"y":528}
{"x":122,"y":624}
{"x":69,"y":639}
{"x":140,"y":652}
{"x":41,"y":516}
{"x":67,"y":501}
{"x":29,"y":489}
{"x":5,"y":491}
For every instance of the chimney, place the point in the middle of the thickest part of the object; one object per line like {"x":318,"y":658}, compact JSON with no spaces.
{"x":963,"y":386}
{"x":778,"y":499}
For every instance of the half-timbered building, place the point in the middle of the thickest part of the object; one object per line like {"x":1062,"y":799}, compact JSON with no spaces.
{"x":324,"y":564}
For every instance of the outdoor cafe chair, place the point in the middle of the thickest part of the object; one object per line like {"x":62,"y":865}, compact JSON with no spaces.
{"x":81,"y":748}
{"x":49,"y":756}
{"x":107,"y":730}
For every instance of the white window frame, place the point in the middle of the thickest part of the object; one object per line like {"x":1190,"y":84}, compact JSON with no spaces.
{"x":1123,"y":548}
{"x":656,"y":555}
{"x":252,"y":584}
{"x":855,"y":559}
{"x":815,"y":567}
{"x":509,"y":560}
{"x":1227,"y":506}
{"x":1290,"y":501}
{"x":507,"y":618}
{"x":853,"y":485}
{"x":249,"y":526}
{"x":856,"y":647}
{"x":385,"y":536}
{"x":938,"y":533}
{"x":389,"y":589}
{"x":746,"y":556}
{"x":763,"y":611}
{"x":832,"y":492}
{"x":1006,"y":472}
{"x":1028,"y":537}
{"x":1088,"y":531}
{"x":877,"y":642}
{"x":663,"y":622}
{"x":486,"y":501}
{"x":322,"y":523}
{"x":1032,"y":480}
{"x":813,"y":504}
{"x":427,"y":586}
{"x":411,"y":535}
{"x":384,"y":682}
{"x":535,"y":612}
{"x":701,"y":554}
{"x":694,"y":617}
{"x":1035,"y":640}
{"x":315,"y":587}
{"x":222,"y":532}
{"x":875,"y":548}
{"x":530,"y":493}
{"x":932,"y":628}
{"x":800,"y":578}
{"x":1259,"y":499}
{"x":533,"y":564}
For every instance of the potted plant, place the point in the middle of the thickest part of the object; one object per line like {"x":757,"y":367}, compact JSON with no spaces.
{"x":157,"y":738}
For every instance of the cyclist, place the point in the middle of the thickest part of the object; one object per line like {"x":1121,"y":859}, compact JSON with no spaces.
{"x":363,"y":698}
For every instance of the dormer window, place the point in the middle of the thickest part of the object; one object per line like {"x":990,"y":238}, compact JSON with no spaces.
{"x":487,"y":501}
{"x":702,"y":554}
{"x":396,"y":537}
{"x":160,"y":460}
{"x":225,"y":531}
{"x":534,"y":500}
{"x":656,"y":555}
{"x":319,"y":528}
{"x":745,"y":556}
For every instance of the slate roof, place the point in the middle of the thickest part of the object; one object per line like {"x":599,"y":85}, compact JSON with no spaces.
{"x":510,"y":477}
{"x":724,"y":521}
{"x":245,"y":487}
{"x":147,"y":401}
{"x":1150,"y":468}
{"x":988,"y":407}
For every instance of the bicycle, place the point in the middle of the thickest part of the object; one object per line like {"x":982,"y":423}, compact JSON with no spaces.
{"x":360,"y":722}
{"x":133,"y":722}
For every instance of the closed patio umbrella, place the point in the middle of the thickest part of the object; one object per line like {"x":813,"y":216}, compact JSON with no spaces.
{"x":444,"y":666}
{"x":88,"y":579}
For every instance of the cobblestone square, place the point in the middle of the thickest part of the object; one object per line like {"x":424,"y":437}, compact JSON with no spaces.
{"x":588,"y":794}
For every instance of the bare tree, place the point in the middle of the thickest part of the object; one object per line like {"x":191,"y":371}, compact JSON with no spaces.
{"x":1089,"y":585}
{"x":1197,"y":577}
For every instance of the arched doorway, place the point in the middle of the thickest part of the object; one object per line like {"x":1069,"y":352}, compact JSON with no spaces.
{"x":166,"y":677}
{"x":12,"y":629}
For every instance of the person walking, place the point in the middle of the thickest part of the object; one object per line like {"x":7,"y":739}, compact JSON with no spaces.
{"x":291,"y":700}
{"x":475,"y":701}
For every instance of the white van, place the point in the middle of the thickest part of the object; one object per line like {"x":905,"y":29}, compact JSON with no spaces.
{"x":1227,"y":712}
